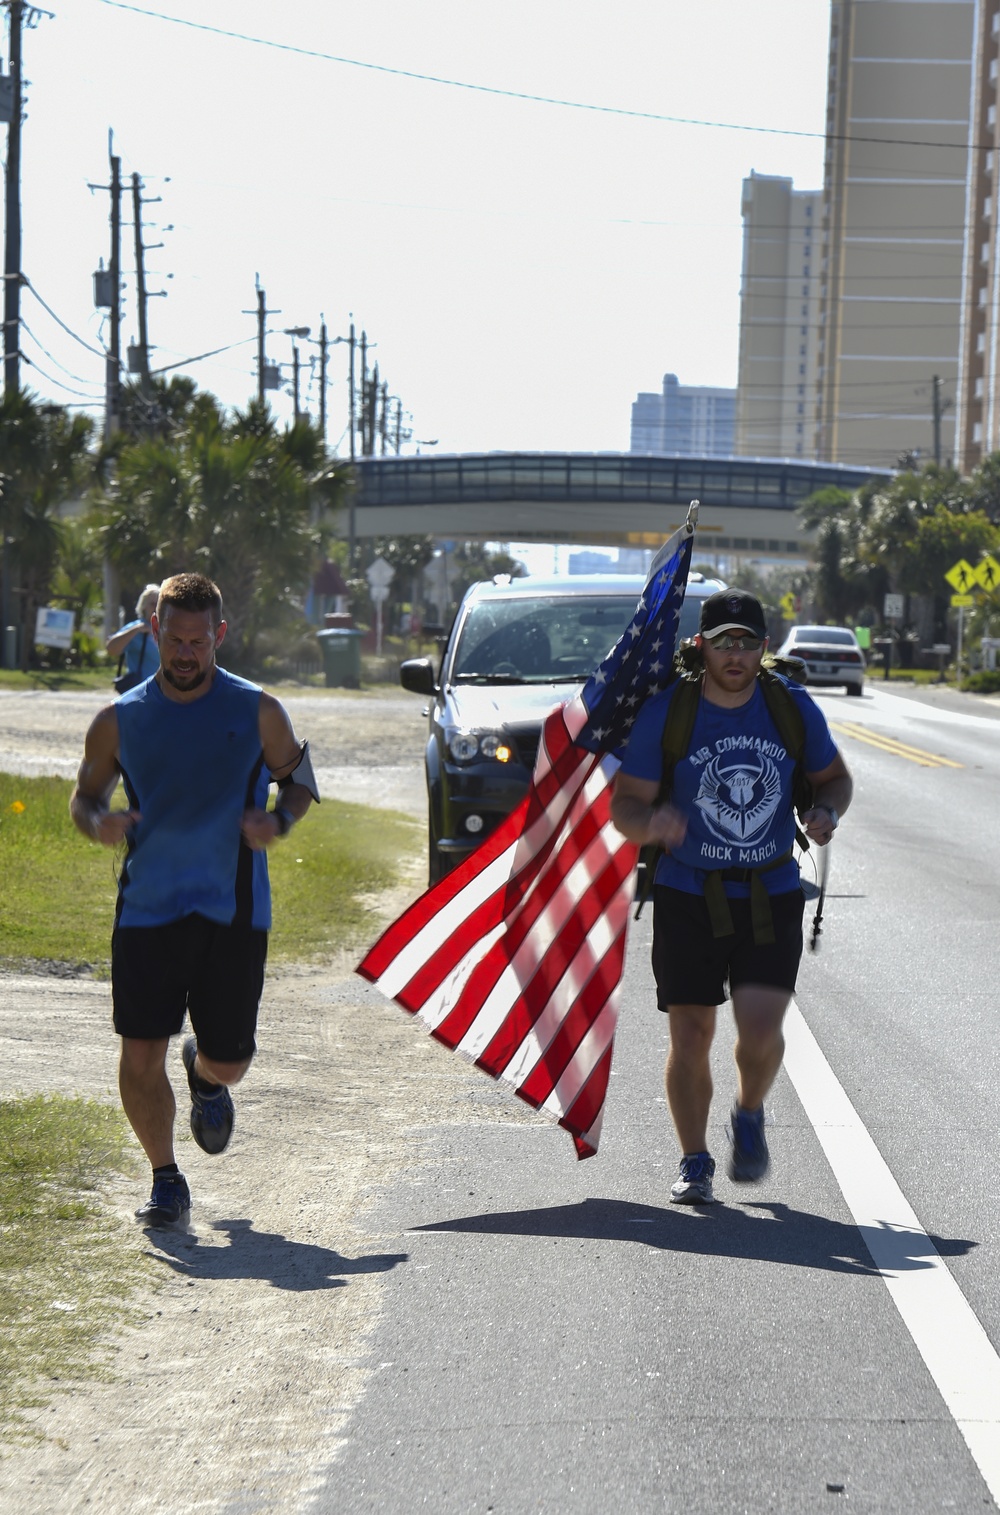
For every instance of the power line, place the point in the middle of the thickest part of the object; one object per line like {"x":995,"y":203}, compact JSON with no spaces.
{"x":513,"y":94}
{"x":243,"y":342}
{"x":52,"y":359}
{"x":59,"y":321}
{"x":95,"y":400}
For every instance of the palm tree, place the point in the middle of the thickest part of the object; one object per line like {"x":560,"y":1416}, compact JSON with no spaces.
{"x":237,"y":499}
{"x":44,"y":463}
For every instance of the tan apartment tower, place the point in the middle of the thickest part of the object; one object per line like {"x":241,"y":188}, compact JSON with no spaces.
{"x":977,"y":403}
{"x":894,"y":213}
{"x":779,"y":319}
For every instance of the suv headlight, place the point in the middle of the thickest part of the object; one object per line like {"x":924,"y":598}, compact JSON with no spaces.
{"x":466,"y":745}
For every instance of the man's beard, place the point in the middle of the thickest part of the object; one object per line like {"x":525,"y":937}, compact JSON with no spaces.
{"x":190,"y":682}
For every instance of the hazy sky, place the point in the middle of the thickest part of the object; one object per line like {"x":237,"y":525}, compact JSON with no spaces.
{"x":525,"y":268}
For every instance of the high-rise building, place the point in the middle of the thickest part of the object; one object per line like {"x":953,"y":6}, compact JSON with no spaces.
{"x":894,"y":212}
{"x":779,"y":319}
{"x":686,"y":420}
{"x":977,"y":402}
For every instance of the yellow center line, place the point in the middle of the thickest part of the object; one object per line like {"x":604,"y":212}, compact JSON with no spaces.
{"x":889,"y":744}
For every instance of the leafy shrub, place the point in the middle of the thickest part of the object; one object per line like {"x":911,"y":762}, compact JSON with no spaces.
{"x":983,"y":683}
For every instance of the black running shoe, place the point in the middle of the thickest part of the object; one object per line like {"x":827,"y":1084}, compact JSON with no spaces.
{"x":694,"y":1187}
{"x":749,"y":1158}
{"x":168,"y":1204}
{"x":212,"y":1115}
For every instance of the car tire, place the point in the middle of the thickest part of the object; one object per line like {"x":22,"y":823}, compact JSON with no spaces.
{"x":855,"y":689}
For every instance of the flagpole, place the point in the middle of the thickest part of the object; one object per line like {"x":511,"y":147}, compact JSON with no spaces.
{"x":817,"y":925}
{"x":672,"y":543}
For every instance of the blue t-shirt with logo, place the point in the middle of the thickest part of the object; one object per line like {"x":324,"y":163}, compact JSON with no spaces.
{"x":734,"y":786}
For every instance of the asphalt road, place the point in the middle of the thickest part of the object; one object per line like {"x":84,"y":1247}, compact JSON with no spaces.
{"x":561,"y":1339}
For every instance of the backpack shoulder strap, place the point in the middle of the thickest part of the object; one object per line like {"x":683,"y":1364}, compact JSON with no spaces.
{"x":786,"y":715}
{"x":677,"y":731}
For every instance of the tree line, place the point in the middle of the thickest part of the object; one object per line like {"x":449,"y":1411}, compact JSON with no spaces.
{"x":184,"y":484}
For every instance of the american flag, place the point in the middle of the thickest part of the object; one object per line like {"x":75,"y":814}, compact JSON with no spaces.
{"x":515,"y":958}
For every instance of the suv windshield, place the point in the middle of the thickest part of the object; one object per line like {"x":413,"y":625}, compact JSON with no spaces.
{"x":538,"y":641}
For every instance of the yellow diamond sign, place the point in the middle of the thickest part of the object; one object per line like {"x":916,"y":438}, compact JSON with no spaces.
{"x":961,"y":576}
{"x":988,"y":573}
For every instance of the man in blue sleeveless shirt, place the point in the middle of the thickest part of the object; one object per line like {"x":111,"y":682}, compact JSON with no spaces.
{"x":196,"y":750}
{"x":730,"y":812}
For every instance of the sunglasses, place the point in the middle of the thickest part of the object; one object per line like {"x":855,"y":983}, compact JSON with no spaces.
{"x":727,"y":642}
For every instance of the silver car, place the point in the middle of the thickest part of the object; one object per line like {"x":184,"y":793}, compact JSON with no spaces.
{"x":830,"y":655}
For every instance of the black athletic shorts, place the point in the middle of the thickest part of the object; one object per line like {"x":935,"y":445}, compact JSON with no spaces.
{"x":215,"y":973}
{"x":691,"y":967}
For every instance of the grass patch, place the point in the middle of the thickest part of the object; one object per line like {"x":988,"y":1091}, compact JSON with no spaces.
{"x":328,"y":874}
{"x":60,"y":678}
{"x":67,"y":1272}
{"x":57,"y":890}
{"x":876,"y":675}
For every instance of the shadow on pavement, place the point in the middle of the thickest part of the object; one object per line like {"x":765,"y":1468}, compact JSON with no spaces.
{"x":766,"y":1231}
{"x":266,"y":1256}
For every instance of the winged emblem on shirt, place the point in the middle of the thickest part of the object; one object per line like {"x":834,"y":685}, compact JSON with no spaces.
{"x":738,"y":797}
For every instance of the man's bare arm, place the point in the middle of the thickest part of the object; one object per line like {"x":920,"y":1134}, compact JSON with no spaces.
{"x":636,"y":814}
{"x":281,"y":754}
{"x":833,"y":789}
{"x":96,"y":781}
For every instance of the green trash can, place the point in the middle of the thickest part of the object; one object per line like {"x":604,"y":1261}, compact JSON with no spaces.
{"x":341,"y":650}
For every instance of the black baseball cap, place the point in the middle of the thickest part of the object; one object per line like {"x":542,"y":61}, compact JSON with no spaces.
{"x":732,"y":610}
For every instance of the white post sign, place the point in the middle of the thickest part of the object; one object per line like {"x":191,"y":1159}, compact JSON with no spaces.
{"x":54,"y":628}
{"x":380,"y":575}
{"x":894,"y":607}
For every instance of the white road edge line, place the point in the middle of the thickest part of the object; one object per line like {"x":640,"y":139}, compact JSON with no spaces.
{"x":943,"y":1325}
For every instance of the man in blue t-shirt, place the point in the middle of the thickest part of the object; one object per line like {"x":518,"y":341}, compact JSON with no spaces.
{"x":729,"y":827}
{"x":197,"y":750}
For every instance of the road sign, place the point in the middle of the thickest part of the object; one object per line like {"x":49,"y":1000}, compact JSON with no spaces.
{"x":380,"y":574}
{"x":962,"y":601}
{"x":893,"y":607}
{"x":988,"y":573}
{"x":961,"y":576}
{"x":787,"y":603}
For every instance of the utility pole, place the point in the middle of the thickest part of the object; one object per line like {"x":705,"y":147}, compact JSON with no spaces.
{"x":350,"y":404}
{"x":936,"y":410}
{"x":383,"y":421}
{"x":322,"y":379}
{"x":364,"y":393}
{"x":140,"y":288}
{"x":295,"y":382}
{"x":12,"y":238}
{"x":261,"y":322}
{"x":113,"y":379}
{"x":372,"y":409}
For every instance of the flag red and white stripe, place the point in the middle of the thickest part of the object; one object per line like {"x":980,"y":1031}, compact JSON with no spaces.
{"x":515,"y":959}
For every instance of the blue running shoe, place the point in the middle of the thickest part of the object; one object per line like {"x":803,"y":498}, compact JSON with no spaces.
{"x":694,"y":1187}
{"x":212,"y":1115}
{"x":168,"y":1204}
{"x":749,"y":1158}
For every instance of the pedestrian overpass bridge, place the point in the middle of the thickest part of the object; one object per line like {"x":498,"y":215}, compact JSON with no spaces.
{"x":748,"y":505}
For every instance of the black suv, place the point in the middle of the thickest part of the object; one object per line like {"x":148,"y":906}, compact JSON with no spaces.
{"x":516,"y":648}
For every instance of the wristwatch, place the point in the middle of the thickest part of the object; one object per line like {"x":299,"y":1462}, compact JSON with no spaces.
{"x":286,"y":819}
{"x":834,"y":817}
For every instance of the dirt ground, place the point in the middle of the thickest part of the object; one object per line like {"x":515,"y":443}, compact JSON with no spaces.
{"x":232,"y":1390}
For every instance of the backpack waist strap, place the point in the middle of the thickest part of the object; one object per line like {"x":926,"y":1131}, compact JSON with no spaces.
{"x":761,"y":917}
